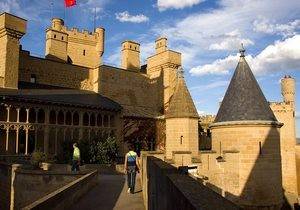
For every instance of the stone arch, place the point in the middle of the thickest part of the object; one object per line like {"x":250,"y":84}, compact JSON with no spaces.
{"x":105,"y":121}
{"x":75,"y":118}
{"x":41,"y":116}
{"x":99,"y":120}
{"x":3,"y":113}
{"x":13,"y":114}
{"x":68,"y":118}
{"x":112,"y":121}
{"x":86,"y":119}
{"x":32,"y":115}
{"x":22,"y":115}
{"x":60,"y":117}
{"x":92,"y":120}
{"x":52,"y":117}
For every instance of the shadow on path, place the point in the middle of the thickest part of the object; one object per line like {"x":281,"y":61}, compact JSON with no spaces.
{"x":111,"y":194}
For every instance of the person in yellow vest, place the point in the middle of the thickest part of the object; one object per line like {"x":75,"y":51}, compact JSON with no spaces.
{"x":76,"y":158}
{"x":131,"y":166}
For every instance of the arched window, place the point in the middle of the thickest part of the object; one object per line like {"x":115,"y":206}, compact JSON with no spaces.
{"x":13,"y":114}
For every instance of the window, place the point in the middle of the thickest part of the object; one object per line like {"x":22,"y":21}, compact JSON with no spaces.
{"x":83,"y":52}
{"x":62,"y":38}
{"x":32,"y":78}
{"x":54,"y":36}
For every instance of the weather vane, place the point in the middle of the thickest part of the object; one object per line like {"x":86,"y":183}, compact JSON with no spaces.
{"x":242,"y":50}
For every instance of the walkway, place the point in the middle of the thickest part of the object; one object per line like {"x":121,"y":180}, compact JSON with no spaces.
{"x":111,"y":194}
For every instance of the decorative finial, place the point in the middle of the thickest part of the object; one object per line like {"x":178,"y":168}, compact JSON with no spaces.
{"x":180,"y":72}
{"x":242,"y":50}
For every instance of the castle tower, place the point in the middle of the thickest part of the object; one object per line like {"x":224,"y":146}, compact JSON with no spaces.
{"x":160,"y":45}
{"x":56,"y":41}
{"x":285,"y":113}
{"x":163,"y":66}
{"x":81,"y":48}
{"x":181,"y":123}
{"x":288,"y":89}
{"x":12,"y":28}
{"x":246,"y":124}
{"x":130,"y":58}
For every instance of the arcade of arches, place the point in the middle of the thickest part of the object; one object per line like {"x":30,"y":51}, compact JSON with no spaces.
{"x":27,"y":127}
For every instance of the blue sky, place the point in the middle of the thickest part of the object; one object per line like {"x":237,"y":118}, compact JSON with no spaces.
{"x":208,"y":33}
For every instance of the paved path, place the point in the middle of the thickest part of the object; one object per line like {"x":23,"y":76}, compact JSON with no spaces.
{"x":111,"y":194}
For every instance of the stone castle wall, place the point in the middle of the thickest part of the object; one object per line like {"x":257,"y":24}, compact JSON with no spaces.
{"x":54,"y":73}
{"x":182,"y":135}
{"x":129,"y":88}
{"x":285,"y":113}
{"x":256,"y":149}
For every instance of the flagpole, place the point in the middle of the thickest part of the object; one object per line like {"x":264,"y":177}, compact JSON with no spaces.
{"x":51,"y":4}
{"x":95,"y":19}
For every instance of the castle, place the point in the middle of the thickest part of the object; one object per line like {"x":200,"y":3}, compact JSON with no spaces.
{"x":70,"y":95}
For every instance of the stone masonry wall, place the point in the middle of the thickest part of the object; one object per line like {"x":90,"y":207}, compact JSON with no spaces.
{"x":188,"y":129}
{"x":54,"y":73}
{"x":31,"y":185}
{"x":259,"y":168}
{"x":168,"y":190}
{"x":130,"y":89}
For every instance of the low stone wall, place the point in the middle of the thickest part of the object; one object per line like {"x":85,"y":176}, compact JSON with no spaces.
{"x":5,"y":185}
{"x":30,"y":185}
{"x":167,"y":189}
{"x":65,"y":196}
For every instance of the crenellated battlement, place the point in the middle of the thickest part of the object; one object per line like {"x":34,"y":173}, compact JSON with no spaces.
{"x":80,"y":47}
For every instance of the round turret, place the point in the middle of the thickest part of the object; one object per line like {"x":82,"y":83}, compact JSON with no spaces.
{"x":288,"y":89}
{"x":100,"y":43}
{"x":57,"y":24}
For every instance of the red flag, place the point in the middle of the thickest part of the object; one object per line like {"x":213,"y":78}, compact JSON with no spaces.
{"x":70,"y":3}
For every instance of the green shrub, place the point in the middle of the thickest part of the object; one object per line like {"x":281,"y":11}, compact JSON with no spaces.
{"x":37,"y":157}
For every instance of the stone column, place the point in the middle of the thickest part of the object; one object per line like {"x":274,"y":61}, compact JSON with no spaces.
{"x":26,"y":132}
{"x":56,"y":143}
{"x":80,"y":125}
{"x":17,"y":131}
{"x":27,"y":115}
{"x":46,"y":132}
{"x":7,"y":136}
{"x":8,"y":108}
{"x":17,"y":140}
{"x":26,"y":141}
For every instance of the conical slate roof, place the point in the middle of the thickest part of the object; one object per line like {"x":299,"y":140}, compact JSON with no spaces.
{"x":244,"y":99}
{"x":181,"y":103}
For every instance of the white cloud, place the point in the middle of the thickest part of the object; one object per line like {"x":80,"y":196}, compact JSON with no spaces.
{"x":210,"y":29}
{"x":280,"y":56}
{"x":212,"y":85}
{"x":231,"y":41}
{"x":176,"y":4}
{"x":200,"y":112}
{"x":288,"y":29}
{"x":126,"y":17}
{"x":219,"y":66}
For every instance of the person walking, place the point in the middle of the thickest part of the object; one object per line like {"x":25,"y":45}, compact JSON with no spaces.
{"x":76,"y":158}
{"x":131,"y":166}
